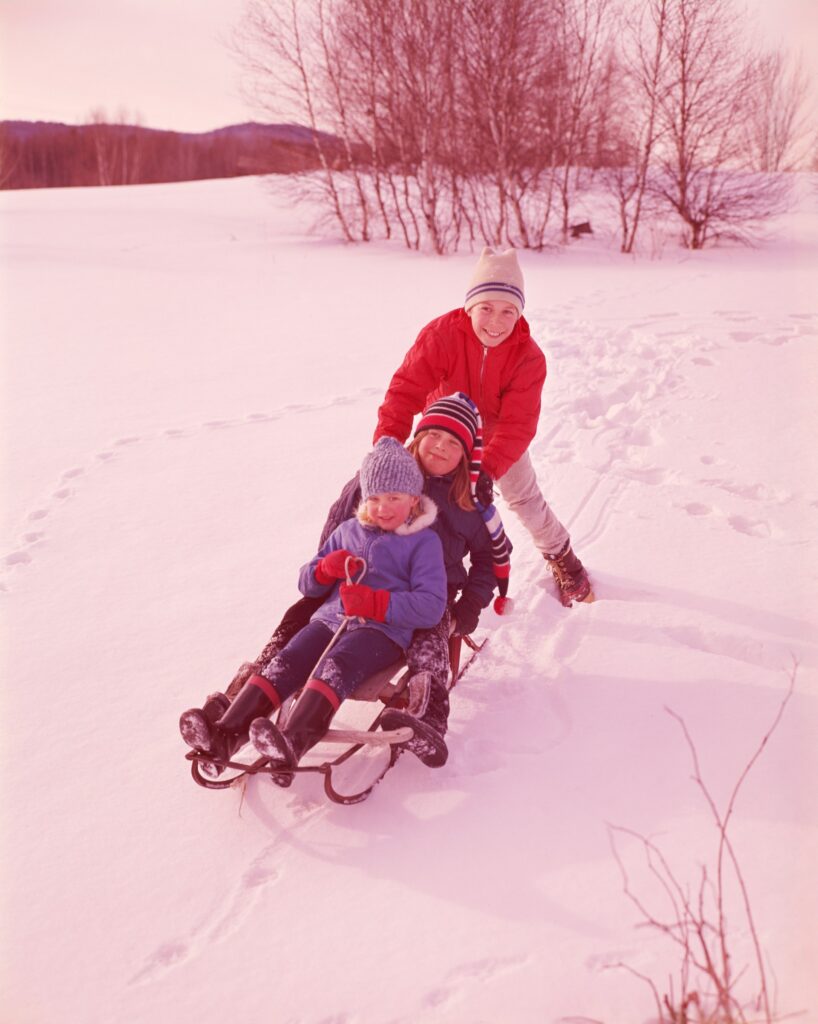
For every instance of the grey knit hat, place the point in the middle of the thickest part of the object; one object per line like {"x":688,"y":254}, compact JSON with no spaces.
{"x":496,"y":276}
{"x":390,"y":469}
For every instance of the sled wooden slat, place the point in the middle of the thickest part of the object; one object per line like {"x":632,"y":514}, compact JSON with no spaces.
{"x":383,"y":685}
{"x":369,"y":738}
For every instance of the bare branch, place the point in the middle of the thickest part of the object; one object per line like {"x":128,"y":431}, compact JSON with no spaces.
{"x":701,"y":934}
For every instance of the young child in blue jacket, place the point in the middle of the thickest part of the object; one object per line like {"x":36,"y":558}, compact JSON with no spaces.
{"x":401,"y":559}
{"x":447,"y":444}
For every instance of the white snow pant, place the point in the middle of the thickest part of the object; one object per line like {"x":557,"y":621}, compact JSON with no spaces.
{"x":522,"y":494}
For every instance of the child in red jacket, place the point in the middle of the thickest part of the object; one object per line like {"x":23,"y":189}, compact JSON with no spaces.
{"x":485,"y":349}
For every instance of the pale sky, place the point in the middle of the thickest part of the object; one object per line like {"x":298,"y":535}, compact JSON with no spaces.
{"x":164,"y":60}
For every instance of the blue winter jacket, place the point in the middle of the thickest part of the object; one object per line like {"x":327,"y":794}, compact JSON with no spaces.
{"x":461,"y":532}
{"x":407,"y":562}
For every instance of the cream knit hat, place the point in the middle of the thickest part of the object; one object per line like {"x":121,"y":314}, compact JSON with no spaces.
{"x":496,"y":276}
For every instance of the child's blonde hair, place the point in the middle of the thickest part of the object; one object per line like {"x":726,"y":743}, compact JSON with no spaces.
{"x":460,"y":491}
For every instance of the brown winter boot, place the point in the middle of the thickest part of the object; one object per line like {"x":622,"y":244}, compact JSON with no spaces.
{"x":572,"y":579}
{"x":309,"y":720}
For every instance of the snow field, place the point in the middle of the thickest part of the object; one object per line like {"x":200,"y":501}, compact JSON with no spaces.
{"x":189,"y":378}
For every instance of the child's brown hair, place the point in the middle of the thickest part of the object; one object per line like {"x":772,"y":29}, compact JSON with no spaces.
{"x":460,"y":491}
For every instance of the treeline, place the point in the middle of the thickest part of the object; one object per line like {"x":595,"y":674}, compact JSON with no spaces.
{"x":47,"y":155}
{"x":465,"y":121}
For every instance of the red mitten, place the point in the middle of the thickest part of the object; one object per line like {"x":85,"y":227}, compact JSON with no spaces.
{"x":360,"y":600}
{"x":333,"y":566}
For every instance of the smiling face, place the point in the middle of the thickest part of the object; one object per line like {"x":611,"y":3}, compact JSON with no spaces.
{"x":440,"y":452}
{"x":391,"y":510}
{"x":493,"y":321}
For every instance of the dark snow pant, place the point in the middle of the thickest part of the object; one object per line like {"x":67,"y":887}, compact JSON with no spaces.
{"x":295,"y":619}
{"x":354,"y":657}
{"x":429,"y":652}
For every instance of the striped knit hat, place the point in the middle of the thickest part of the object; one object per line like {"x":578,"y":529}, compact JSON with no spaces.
{"x":496,"y":276}
{"x":458,"y":415}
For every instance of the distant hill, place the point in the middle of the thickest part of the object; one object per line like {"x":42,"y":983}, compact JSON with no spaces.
{"x":44,"y":154}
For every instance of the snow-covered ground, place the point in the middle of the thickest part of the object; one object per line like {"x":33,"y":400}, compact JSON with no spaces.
{"x":189,"y":377}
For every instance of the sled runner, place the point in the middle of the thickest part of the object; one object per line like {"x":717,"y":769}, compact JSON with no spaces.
{"x":352,"y":760}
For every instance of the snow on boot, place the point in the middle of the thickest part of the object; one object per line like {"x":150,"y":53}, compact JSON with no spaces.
{"x":196,"y":724}
{"x":429,"y":727}
{"x":571,"y":578}
{"x":306,"y":725}
{"x":221,"y":736}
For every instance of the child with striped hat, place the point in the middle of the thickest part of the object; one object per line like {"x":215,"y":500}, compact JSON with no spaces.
{"x":456,"y":416}
{"x":485,"y":349}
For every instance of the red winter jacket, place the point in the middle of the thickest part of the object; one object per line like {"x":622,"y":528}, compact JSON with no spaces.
{"x":506,"y":383}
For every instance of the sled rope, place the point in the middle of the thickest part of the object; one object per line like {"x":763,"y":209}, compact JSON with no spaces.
{"x":350,"y":570}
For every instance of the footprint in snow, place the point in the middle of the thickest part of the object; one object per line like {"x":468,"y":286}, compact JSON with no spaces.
{"x":476,"y":972}
{"x":696,"y":508}
{"x":752,"y":492}
{"x":261,"y":872}
{"x":166,"y":956}
{"x":478,"y":757}
{"x":750,"y":527}
{"x":649,"y":475}
{"x":737,"y":315}
{"x":17,"y":558}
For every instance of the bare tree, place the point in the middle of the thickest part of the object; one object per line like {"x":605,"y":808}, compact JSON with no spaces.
{"x":776,"y":134}
{"x":711,"y":83}
{"x":584,"y":41}
{"x":444,"y":120}
{"x":8,"y":159}
{"x":119,"y":152}
{"x":279,"y":45}
{"x":642,"y":84}
{"x":711,"y":986}
{"x":506,"y":59}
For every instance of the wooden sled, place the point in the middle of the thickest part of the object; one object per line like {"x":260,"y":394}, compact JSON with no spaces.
{"x":367,"y":754}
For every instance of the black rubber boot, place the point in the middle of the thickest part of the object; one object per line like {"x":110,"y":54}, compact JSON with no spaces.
{"x":308,"y":722}
{"x":428,"y":744}
{"x":222,"y":737}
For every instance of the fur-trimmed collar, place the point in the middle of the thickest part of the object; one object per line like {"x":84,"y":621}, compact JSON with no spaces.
{"x":428,"y":514}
